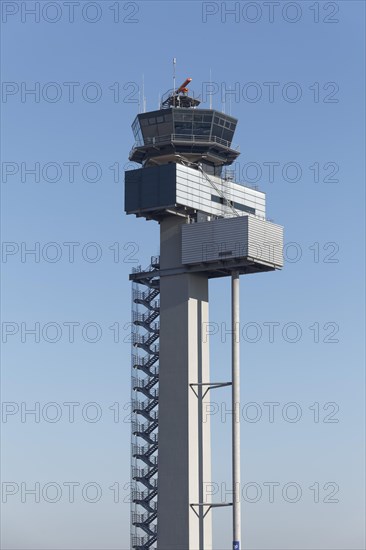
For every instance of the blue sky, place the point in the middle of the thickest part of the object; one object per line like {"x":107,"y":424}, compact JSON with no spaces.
{"x":317,"y":141}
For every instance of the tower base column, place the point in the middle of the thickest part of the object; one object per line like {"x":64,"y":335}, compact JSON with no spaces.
{"x":184,"y":430}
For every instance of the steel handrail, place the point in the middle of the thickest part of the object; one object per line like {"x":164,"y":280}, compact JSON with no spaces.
{"x":182,"y":137}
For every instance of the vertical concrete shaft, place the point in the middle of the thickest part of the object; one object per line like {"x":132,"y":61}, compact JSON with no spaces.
{"x":235,"y":308}
{"x":184,"y":440}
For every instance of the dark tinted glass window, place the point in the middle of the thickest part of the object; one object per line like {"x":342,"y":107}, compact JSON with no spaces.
{"x":217,"y":131}
{"x":201,"y":128}
{"x":137,"y":131}
{"x":227,"y":135}
{"x":183,"y":128}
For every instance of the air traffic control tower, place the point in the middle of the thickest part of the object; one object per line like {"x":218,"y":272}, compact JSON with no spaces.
{"x":210,"y":227}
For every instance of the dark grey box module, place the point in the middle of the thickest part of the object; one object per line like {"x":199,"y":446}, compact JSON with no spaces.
{"x":150,"y":188}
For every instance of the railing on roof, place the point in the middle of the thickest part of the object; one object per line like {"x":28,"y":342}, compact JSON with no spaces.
{"x":183,"y":137}
{"x":154,"y":265}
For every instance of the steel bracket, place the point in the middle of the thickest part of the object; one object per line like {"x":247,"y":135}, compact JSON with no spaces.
{"x":209,"y":506}
{"x":210,"y":386}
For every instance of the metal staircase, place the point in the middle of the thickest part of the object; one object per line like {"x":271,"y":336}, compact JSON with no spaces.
{"x":145,"y":399}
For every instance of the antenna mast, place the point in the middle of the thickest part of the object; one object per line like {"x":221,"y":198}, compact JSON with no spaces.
{"x":143,"y":95}
{"x":210,"y":89}
{"x":174,"y":68}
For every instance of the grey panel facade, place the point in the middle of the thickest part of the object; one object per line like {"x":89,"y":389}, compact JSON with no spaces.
{"x":232,"y":238}
{"x":176,"y":185}
{"x":197,"y":191}
{"x":150,"y":188}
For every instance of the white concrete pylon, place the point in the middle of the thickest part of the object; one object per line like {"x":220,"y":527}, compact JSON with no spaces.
{"x":235,"y":305}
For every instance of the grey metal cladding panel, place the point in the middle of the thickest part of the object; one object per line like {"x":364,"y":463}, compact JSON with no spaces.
{"x":168,"y":188}
{"x":170,"y":184}
{"x":216,"y":240}
{"x":132,"y":190}
{"x":158,"y":186}
{"x":242,"y":190}
{"x":193,"y":186}
{"x":194,"y":241}
{"x":152,"y":187}
{"x":266,"y":241}
{"x":232,"y":238}
{"x":196,"y":193}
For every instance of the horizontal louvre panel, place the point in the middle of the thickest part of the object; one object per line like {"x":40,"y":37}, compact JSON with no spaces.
{"x":195,"y":190}
{"x":232,"y":238}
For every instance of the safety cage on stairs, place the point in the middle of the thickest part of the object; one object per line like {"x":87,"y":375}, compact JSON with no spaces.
{"x":145,"y":406}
